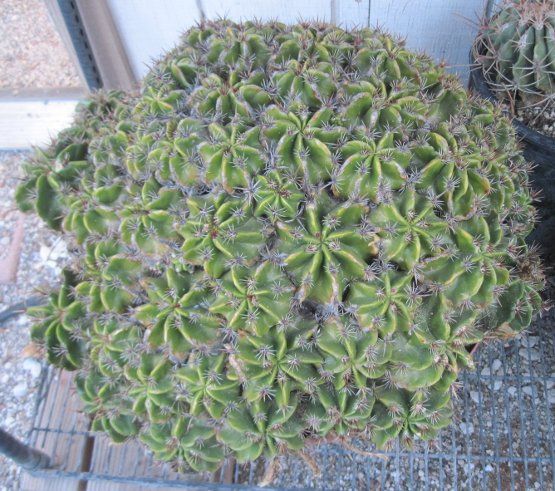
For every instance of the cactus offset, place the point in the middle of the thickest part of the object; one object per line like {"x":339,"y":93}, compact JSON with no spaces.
{"x":293,"y":233}
{"x":517,"y":48}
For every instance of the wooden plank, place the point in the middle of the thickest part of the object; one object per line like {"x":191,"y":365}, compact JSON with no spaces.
{"x":61,"y":414}
{"x":114,"y":486}
{"x":24,"y":123}
{"x":42,"y":93}
{"x":443,"y":29}
{"x":129,"y":460}
{"x":66,"y":442}
{"x":9,"y":263}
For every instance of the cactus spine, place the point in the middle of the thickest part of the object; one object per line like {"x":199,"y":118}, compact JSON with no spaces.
{"x":517,"y":48}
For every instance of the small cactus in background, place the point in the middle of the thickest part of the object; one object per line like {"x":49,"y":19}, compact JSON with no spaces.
{"x":517,"y":48}
{"x":293,"y":233}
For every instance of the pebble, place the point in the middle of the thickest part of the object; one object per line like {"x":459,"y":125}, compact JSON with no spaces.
{"x":540,"y":117}
{"x":496,"y":365}
{"x":475,"y":396}
{"x":50,"y":255}
{"x":20,"y":389}
{"x":32,"y":366}
{"x":467,"y":428}
{"x":527,"y":390}
{"x":529,"y":355}
{"x":530,"y":341}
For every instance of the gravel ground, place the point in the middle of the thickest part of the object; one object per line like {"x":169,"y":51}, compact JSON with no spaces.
{"x":540,"y":117}
{"x":504,"y":427}
{"x":32,"y":54}
{"x":41,"y":258}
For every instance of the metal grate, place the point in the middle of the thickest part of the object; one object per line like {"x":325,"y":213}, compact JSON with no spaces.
{"x":503,"y":437}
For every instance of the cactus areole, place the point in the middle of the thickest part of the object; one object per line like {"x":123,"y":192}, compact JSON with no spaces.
{"x":293,"y":233}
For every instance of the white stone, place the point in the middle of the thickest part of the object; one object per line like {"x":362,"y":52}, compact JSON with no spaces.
{"x":497,"y":385}
{"x":496,"y":365}
{"x":527,"y":390}
{"x":488,"y":468}
{"x":529,"y":355}
{"x":59,"y":250}
{"x":44,"y":252}
{"x":475,"y":396}
{"x":20,"y":389}
{"x":32,"y":366}
{"x":467,"y":428}
{"x":529,"y":341}
{"x":512,"y":391}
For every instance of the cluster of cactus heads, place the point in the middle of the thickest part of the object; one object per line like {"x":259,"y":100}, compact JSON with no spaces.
{"x":516,"y":49}
{"x":292,"y":233}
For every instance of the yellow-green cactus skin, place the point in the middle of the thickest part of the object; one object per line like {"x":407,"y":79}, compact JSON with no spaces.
{"x":291,"y":233}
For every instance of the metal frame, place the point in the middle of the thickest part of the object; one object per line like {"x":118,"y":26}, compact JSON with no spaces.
{"x":67,"y":19}
{"x":506,"y":439}
{"x":91,"y":36}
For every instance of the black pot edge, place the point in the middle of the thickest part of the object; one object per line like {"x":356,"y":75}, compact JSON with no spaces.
{"x":478,"y":83}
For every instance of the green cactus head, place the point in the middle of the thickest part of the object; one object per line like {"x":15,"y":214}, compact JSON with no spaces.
{"x":516,"y":48}
{"x":293,"y":232}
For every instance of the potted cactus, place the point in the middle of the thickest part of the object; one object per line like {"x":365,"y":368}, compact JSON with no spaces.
{"x":514,"y":61}
{"x":292,"y":235}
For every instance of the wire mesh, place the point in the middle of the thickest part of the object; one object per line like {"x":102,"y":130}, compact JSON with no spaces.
{"x":502,"y":437}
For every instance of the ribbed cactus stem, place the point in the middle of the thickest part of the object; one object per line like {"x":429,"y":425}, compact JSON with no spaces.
{"x":291,"y":235}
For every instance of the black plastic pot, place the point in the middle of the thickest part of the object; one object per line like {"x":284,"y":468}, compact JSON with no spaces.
{"x":537,"y":148}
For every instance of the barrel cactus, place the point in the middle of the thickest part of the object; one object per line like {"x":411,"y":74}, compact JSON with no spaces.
{"x":292,"y":234}
{"x":517,"y":48}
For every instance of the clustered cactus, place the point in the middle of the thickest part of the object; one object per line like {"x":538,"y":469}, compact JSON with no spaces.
{"x":516,"y":48}
{"x":292,"y":233}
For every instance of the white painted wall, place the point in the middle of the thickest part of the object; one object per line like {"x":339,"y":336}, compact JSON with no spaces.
{"x":443,"y":28}
{"x":149,"y":27}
